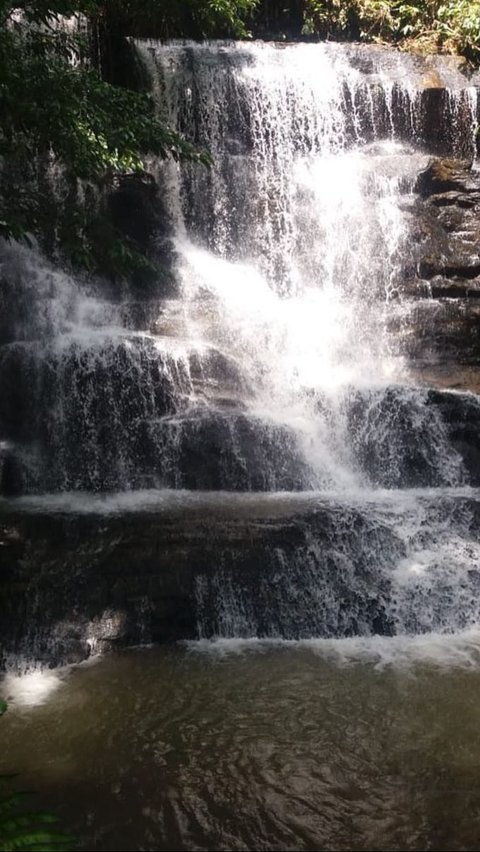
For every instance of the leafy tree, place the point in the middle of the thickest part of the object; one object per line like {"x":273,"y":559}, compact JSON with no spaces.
{"x":449,"y":25}
{"x":57,"y":112}
{"x":61,"y":117}
{"x":180,"y":18}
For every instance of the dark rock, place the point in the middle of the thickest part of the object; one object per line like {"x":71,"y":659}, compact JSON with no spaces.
{"x":442,"y":333}
{"x":444,"y":121}
{"x":403,"y":437}
{"x":77,"y":410}
{"x":438,"y":287}
{"x":461,"y":268}
{"x":136,"y":211}
{"x":461,"y":415}
{"x":132,"y":208}
{"x":443,"y":273}
{"x":118,"y":413}
{"x":73,"y":584}
{"x":447,"y":199}
{"x":215,"y":450}
{"x":446,"y":176}
{"x":446,"y":376}
{"x":11,"y":484}
{"x":218,"y":377}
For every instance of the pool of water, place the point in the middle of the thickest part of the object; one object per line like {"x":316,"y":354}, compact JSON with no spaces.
{"x":256,"y":746}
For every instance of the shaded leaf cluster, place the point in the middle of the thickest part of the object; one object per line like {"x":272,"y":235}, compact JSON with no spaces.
{"x":451,"y":26}
{"x":62,"y":122}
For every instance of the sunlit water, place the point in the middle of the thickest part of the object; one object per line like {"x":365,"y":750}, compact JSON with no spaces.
{"x":258,"y":746}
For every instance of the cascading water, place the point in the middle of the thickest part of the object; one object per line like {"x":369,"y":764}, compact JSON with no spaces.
{"x":291,"y":253}
{"x":292,"y":248}
{"x":276,"y":368}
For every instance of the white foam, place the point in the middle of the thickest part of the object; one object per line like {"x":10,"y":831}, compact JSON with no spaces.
{"x":81,"y":502}
{"x":30,"y":689}
{"x":460,"y":650}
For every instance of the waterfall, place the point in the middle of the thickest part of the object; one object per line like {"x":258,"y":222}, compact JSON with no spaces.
{"x":292,"y":248}
{"x":279,"y":365}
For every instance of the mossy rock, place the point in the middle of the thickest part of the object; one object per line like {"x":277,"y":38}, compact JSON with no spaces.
{"x":445,"y":175}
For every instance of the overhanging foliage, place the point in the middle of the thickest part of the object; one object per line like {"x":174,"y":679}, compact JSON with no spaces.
{"x":59,"y":113}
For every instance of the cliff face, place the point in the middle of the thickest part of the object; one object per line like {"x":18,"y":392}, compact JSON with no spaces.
{"x":442,"y":284}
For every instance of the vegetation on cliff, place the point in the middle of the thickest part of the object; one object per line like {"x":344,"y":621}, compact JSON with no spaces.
{"x":178,"y":18}
{"x":74,"y":124}
{"x":68,"y":133}
{"x":452,"y":26}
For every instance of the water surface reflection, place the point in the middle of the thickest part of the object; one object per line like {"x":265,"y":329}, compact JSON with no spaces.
{"x":267,"y":748}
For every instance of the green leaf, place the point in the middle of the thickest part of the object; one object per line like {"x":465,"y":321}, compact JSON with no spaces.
{"x":8,"y":804}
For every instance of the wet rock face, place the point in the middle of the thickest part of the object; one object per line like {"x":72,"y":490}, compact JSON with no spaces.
{"x":397,"y":440}
{"x":75,"y":585}
{"x":413,"y":438}
{"x":217,"y":451}
{"x":461,"y":416}
{"x":137,"y":211}
{"x":118,"y":415}
{"x":442,"y":281}
{"x":441,"y":118}
{"x":448,"y":229}
{"x":75,"y":414}
{"x":443,"y":177}
{"x":134,"y":208}
{"x":10,"y":475}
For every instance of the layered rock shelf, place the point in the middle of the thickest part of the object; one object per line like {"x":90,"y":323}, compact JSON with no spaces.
{"x":79,"y":578}
{"x":441,"y":321}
